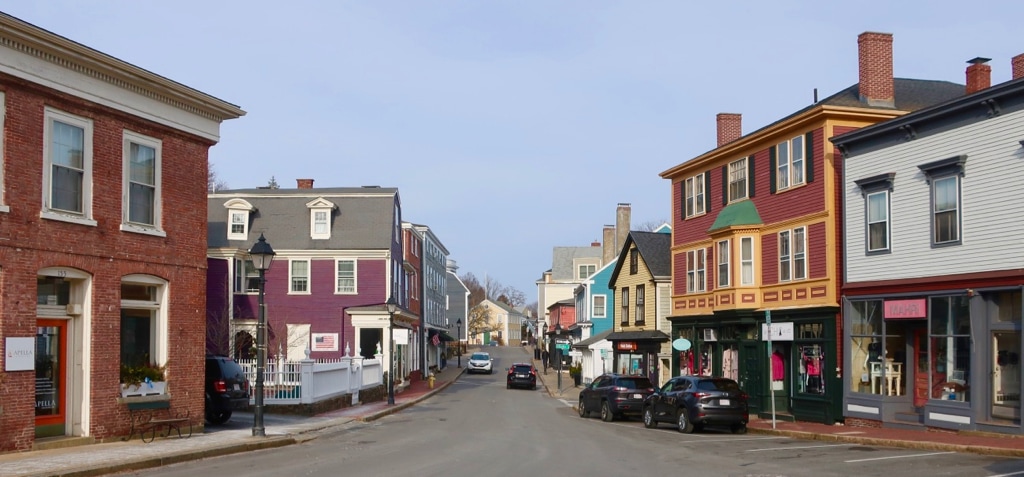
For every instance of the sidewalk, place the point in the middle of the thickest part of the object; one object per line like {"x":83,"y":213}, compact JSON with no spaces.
{"x":107,"y":458}
{"x":965,"y":441}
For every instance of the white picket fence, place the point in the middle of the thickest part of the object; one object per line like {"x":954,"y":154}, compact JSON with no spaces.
{"x":308,"y":381}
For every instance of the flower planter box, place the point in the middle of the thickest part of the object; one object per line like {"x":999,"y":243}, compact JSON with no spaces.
{"x":144,"y":389}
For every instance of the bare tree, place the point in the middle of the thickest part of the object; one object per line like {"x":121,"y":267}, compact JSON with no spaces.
{"x":649,"y":225}
{"x":213,"y":182}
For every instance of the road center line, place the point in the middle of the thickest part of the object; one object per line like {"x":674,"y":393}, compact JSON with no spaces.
{"x":801,"y":447}
{"x":899,"y":457}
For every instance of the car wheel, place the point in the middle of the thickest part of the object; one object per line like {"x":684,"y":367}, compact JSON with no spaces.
{"x":739,"y":428}
{"x":683,"y":421}
{"x":582,"y":409}
{"x":508,"y":386}
{"x":649,"y":421}
{"x":218,"y":417}
{"x":606,"y":412}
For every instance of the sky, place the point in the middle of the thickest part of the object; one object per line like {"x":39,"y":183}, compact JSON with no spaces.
{"x":512,"y":127}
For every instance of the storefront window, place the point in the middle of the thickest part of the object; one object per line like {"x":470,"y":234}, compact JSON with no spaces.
{"x":1007,"y":306}
{"x":866,"y":347}
{"x":951,"y":347}
{"x":707,"y":354}
{"x":812,"y":360}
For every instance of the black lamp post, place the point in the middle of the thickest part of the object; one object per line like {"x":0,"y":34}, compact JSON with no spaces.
{"x":558,"y":351}
{"x":261,"y":254}
{"x":392,"y":306}
{"x":458,"y":324}
{"x":547,"y":347}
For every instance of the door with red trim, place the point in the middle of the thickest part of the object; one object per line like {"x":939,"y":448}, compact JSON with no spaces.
{"x":51,"y":377}
{"x":921,"y":367}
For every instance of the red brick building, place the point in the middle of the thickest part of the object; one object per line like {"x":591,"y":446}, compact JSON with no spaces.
{"x":102,"y":236}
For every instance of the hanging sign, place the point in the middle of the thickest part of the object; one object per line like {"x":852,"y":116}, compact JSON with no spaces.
{"x":903,"y":309}
{"x":681,"y":344}
{"x":779,"y":331}
{"x":20,"y":354}
{"x":625,"y":345}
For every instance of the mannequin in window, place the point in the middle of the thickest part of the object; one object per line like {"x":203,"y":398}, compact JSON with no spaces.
{"x":812,"y":363}
{"x":778,"y":366}
{"x":874,"y":353}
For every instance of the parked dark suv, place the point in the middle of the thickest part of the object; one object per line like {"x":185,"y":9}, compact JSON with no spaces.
{"x":691,"y":402}
{"x":521,"y":375}
{"x":226,"y":388}
{"x":615,"y":395}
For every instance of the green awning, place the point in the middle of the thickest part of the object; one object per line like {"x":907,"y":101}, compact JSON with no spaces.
{"x":739,"y":213}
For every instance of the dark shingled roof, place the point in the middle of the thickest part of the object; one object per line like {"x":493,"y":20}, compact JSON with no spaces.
{"x":655,"y":249}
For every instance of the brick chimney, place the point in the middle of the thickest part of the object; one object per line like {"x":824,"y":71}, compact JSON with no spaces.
{"x":979,"y":75}
{"x":876,"y":83}
{"x":622,"y":220}
{"x":729,"y":128}
{"x":1018,"y":66}
{"x":305,"y":183}
{"x":608,"y":253}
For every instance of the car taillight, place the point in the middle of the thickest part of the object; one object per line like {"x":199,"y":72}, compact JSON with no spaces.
{"x":511,"y":370}
{"x":743,"y":397}
{"x":533,"y":372}
{"x":220,"y":386}
{"x":620,"y":389}
{"x":700,"y":395}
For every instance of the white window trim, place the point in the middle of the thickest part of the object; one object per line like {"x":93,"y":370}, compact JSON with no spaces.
{"x":127,"y":226}
{"x":696,"y":279}
{"x":243,"y":208}
{"x":791,"y":241}
{"x":751,"y":261}
{"x":355,"y":277}
{"x":727,"y":263}
{"x":593,"y":306}
{"x":319,"y":205}
{"x":85,"y":218}
{"x":742,"y":170}
{"x":787,"y":162}
{"x":696,"y":194}
{"x":3,"y":115}
{"x":291,"y":276}
{"x":867,"y":217}
{"x":160,"y":327}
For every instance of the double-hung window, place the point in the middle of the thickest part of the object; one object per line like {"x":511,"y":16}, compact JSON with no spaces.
{"x":624,"y":319}
{"x":790,"y":163}
{"x":638,"y":319}
{"x":320,"y":218}
{"x":67,"y":172}
{"x":252,"y":277}
{"x":299,"y":276}
{"x":876,"y":191}
{"x":793,"y":254}
{"x":738,"y":180}
{"x":143,"y":321}
{"x":723,"y":264}
{"x":142,"y":164}
{"x":695,"y":271}
{"x":346,"y":277}
{"x":746,"y":260}
{"x":634,"y":261}
{"x":600,"y":306}
{"x":586,"y":271}
{"x":238,"y":218}
{"x":695,"y":195}
{"x":944,"y":177}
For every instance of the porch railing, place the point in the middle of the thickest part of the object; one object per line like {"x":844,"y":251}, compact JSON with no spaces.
{"x":308,"y":381}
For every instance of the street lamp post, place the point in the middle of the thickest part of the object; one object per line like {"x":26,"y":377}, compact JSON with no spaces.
{"x":458,"y":324}
{"x":261,"y":254}
{"x":547,"y":348}
{"x":558,"y":351}
{"x":392,"y":305}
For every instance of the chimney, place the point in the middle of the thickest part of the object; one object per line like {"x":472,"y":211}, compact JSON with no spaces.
{"x":729,"y":128}
{"x":608,"y":253}
{"x":875,"y":59}
{"x":1018,"y":66}
{"x":595,"y":244}
{"x":305,"y":183}
{"x":979,"y":75}
{"x":621,"y":225}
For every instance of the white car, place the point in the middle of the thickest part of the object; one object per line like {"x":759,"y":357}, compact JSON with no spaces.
{"x":480,"y":363}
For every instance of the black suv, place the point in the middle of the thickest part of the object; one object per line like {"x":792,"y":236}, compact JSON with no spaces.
{"x":691,"y":402}
{"x":521,"y":375}
{"x":615,"y":395}
{"x":226,"y":388}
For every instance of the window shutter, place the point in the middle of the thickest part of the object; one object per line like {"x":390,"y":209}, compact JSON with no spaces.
{"x":771,"y":169}
{"x":750,"y":176}
{"x":725,"y":185}
{"x":809,"y":156}
{"x":707,"y":191}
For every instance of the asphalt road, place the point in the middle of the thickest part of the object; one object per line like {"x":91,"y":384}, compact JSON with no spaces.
{"x":476,"y":427}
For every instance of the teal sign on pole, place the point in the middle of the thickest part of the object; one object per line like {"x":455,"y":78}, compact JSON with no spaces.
{"x":562,"y":346}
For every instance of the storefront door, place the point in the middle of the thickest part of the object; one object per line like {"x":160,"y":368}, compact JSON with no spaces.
{"x":1006,"y":387}
{"x":921,"y":367}
{"x":51,"y":378}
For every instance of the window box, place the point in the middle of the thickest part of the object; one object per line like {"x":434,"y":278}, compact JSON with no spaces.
{"x":152,"y":388}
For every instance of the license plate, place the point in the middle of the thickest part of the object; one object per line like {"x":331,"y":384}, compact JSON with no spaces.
{"x":236,"y":387}
{"x":723,"y":402}
{"x":520,"y":375}
{"x":638,"y":396}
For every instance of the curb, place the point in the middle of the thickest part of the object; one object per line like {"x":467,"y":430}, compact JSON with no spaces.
{"x":898,"y":443}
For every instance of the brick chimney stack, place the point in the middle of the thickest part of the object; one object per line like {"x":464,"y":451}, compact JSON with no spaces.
{"x":875,"y":60}
{"x":622,"y":221}
{"x":979,"y":75}
{"x":1018,"y":66}
{"x":608,"y":252}
{"x":305,"y":183}
{"x":730,"y":128}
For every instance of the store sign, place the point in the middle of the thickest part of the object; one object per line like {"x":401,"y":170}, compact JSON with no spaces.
{"x":904,"y":309}
{"x":401,"y":336}
{"x":20,"y":354}
{"x":777,"y":331}
{"x":625,"y":345}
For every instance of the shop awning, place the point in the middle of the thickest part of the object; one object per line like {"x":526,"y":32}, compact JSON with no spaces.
{"x":653,"y":335}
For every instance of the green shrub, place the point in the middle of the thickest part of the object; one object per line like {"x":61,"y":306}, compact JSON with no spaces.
{"x":136,"y":375}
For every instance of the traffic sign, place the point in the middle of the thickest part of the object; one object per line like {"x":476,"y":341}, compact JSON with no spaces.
{"x":562,"y":346}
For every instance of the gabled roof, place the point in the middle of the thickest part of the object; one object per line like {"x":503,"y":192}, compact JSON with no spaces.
{"x":363,"y":220}
{"x":562,"y":258}
{"x":593,"y":339}
{"x":655,"y":249}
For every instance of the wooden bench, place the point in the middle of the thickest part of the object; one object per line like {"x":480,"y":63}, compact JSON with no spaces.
{"x":151,"y":416}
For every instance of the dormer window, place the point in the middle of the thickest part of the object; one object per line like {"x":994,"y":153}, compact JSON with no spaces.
{"x":320,"y":218}
{"x":238,"y":218}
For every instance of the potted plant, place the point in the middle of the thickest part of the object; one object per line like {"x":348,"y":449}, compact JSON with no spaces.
{"x":142,"y":380}
{"x":576,"y":371}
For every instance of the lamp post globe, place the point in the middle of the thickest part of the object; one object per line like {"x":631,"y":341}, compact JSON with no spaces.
{"x":458,"y":326}
{"x":392,"y":306}
{"x":261,"y":254}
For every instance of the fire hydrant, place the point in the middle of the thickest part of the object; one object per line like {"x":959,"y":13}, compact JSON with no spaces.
{"x":430,"y":380}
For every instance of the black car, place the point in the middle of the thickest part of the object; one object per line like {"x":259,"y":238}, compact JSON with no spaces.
{"x":692,"y":402}
{"x":227,"y":389}
{"x":615,"y":395}
{"x":521,"y":375}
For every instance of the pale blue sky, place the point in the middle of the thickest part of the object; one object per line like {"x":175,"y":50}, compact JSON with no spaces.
{"x":511,"y":127}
